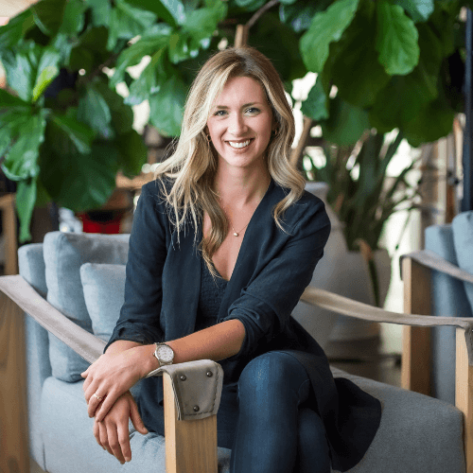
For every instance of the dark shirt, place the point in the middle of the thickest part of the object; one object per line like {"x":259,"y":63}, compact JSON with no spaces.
{"x":211,"y":294}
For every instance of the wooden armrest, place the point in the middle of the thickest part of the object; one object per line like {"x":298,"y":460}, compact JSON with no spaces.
{"x":191,"y":445}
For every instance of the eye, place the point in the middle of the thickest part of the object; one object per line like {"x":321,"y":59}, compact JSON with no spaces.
{"x":219,"y":113}
{"x":252,"y":110}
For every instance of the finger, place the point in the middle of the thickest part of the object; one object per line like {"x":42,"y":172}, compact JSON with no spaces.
{"x":106,"y":405}
{"x":94,"y":402}
{"x":114,"y":443}
{"x":136,"y":418}
{"x":104,"y":437}
{"x":85,"y":373}
{"x":124,"y":439}
{"x":97,"y":434}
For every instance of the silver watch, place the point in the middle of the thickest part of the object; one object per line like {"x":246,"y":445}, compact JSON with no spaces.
{"x":164,"y":354}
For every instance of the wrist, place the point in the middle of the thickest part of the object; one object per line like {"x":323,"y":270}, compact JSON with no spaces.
{"x":148,"y":360}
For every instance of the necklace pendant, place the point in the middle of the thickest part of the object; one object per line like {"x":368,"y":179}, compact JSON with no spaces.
{"x":235,"y":234}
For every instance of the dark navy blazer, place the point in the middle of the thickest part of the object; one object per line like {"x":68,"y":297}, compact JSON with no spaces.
{"x":272,"y":270}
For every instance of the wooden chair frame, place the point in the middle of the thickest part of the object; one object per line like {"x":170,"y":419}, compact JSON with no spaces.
{"x":192,"y":445}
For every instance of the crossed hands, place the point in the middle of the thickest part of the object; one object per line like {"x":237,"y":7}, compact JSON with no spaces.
{"x":106,"y":389}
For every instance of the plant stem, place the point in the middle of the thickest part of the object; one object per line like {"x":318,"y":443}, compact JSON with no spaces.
{"x":260,"y":12}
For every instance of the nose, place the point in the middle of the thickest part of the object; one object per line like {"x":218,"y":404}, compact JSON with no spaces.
{"x":237,"y":125}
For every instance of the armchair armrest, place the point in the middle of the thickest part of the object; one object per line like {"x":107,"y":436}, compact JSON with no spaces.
{"x":431,"y":260}
{"x":192,"y":390}
{"x":416,"y":350}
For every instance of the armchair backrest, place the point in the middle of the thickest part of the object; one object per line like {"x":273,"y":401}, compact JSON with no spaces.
{"x":453,"y":243}
{"x":53,"y":269}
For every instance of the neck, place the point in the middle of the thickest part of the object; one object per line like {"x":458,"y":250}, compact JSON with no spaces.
{"x":238,"y":187}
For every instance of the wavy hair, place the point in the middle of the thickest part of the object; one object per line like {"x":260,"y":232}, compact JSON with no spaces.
{"x":192,"y":167}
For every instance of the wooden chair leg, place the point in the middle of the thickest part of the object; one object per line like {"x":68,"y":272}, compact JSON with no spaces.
{"x":464,"y":395}
{"x":14,"y":456}
{"x":7,"y":205}
{"x":415,"y":373}
{"x":191,"y":446}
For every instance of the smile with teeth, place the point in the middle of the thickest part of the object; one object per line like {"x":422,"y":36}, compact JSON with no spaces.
{"x":242,"y":144}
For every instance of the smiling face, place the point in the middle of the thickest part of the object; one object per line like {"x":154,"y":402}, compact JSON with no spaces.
{"x":240,"y":123}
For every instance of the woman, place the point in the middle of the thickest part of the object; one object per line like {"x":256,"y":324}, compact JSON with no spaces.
{"x":223,"y":244}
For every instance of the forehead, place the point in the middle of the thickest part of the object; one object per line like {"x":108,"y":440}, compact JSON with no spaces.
{"x":240,"y":90}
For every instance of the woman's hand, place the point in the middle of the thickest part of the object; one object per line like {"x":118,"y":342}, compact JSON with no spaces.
{"x":112,"y":433}
{"x":112,"y":375}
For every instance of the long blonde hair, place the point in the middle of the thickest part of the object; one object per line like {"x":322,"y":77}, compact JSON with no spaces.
{"x":193,"y":165}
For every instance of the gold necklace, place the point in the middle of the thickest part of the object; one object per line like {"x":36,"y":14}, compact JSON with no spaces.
{"x":235,"y":233}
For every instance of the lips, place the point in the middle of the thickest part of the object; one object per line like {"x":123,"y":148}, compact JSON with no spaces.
{"x":239,"y":144}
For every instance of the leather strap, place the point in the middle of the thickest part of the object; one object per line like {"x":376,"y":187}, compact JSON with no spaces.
{"x":197,"y":387}
{"x":432,"y":260}
{"x":342,"y":305}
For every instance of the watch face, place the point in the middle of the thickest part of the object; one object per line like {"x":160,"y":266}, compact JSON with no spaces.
{"x":165,"y":354}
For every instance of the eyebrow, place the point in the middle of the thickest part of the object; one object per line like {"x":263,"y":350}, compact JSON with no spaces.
{"x":243,"y":106}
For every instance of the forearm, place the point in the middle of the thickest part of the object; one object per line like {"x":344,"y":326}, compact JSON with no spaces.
{"x":121,"y":345}
{"x":216,"y":343}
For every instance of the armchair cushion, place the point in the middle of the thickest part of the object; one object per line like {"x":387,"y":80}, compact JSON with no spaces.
{"x":104,"y":292}
{"x":64,"y":254}
{"x":463,"y":237}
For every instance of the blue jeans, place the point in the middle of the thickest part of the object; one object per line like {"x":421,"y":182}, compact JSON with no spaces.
{"x":265,"y":422}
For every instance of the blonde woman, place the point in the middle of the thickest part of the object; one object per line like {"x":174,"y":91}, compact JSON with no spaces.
{"x":223,"y":244}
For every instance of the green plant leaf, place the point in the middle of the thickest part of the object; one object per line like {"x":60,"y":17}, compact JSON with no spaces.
{"x":73,"y":17}
{"x":355,"y":68}
{"x":11,"y":120}
{"x":299,"y":14}
{"x":90,"y":51}
{"x":15,"y":29}
{"x":161,"y":11}
{"x":100,"y":12}
{"x":419,"y":10}
{"x":396,"y":39}
{"x":9,"y":100}
{"x":93,"y":110}
{"x":48,"y":15}
{"x":78,"y":181}
{"x":156,"y":38}
{"x":25,"y":203}
{"x":24,"y":69}
{"x":21,"y":160}
{"x":77,"y":133}
{"x":150,"y":80}
{"x":280,"y":44}
{"x":44,"y":79}
{"x":434,"y":121}
{"x":167,"y":107}
{"x":250,"y":5}
{"x":133,"y":153}
{"x":444,"y":26}
{"x":122,"y":114}
{"x":127,"y":21}
{"x":326,"y":27}
{"x":416,"y":89}
{"x":179,"y":49}
{"x":315,"y":106}
{"x":176,"y":9}
{"x":202,"y":23}
{"x":346,"y":123}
